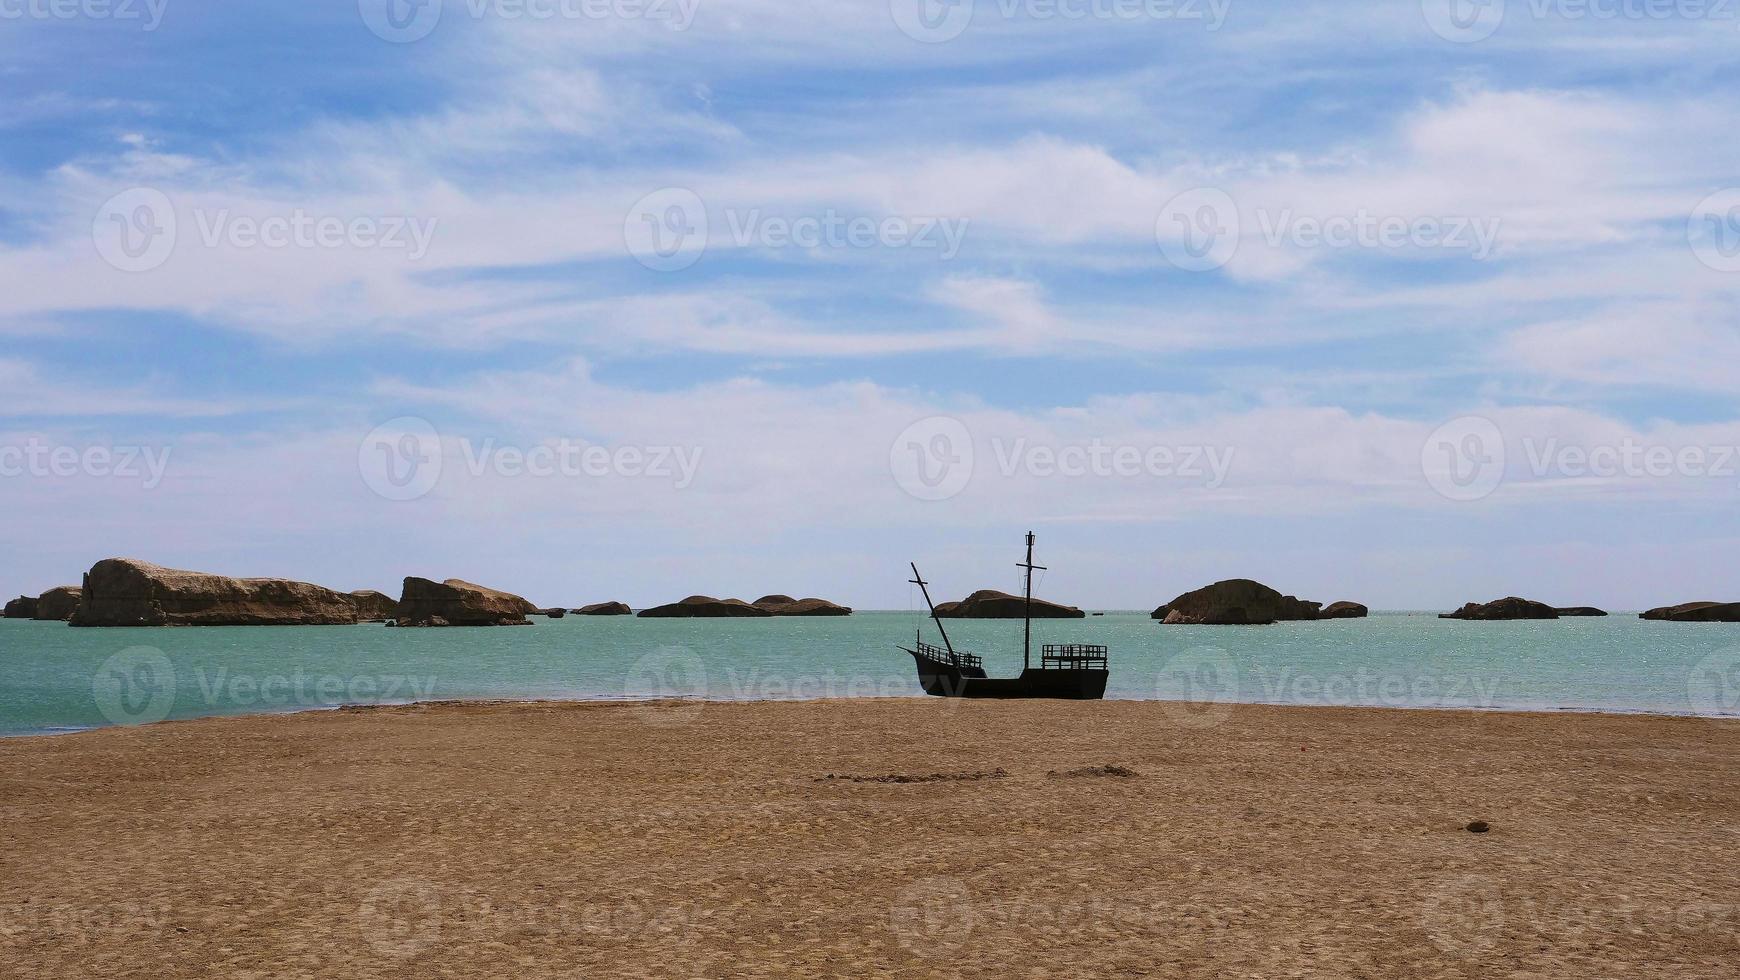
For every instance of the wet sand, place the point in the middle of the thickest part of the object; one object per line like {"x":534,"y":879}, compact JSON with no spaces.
{"x":1015,"y":839}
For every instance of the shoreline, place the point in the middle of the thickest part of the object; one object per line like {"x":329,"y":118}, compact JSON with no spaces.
{"x":1548,"y":712}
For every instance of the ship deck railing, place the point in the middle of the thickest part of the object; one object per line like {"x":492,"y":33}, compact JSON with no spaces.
{"x":1073,"y":656}
{"x":952,"y":658}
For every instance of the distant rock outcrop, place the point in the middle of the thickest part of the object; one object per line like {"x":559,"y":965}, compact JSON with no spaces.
{"x":58,"y":605}
{"x":991,"y":604}
{"x":1343,"y":610}
{"x":605,"y":609}
{"x":784,"y":605}
{"x":705,"y":607}
{"x":127,"y":592}
{"x":456,"y":602}
{"x":1565,"y":611}
{"x":556,"y":613}
{"x":23,"y":607}
{"x":374,"y":607}
{"x":1696,"y":612}
{"x":1510,"y":607}
{"x":1235,"y":602}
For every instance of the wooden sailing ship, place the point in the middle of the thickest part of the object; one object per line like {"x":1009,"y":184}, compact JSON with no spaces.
{"x":1074,"y":671}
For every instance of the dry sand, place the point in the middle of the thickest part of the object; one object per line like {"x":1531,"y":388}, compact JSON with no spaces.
{"x":548,"y":840}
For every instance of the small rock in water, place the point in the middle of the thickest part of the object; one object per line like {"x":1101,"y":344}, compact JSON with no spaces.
{"x":1478,"y":827}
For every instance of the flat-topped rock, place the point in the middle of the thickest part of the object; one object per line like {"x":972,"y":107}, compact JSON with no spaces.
{"x":1343,"y":610}
{"x":991,"y":604}
{"x":58,"y":605}
{"x":705,"y":607}
{"x":605,"y":609}
{"x":1696,"y":612}
{"x":23,"y":607}
{"x":457,"y":602}
{"x":1574,"y":611}
{"x":374,"y":607}
{"x":784,"y":605}
{"x":129,"y":592}
{"x":1509,"y":607}
{"x":1235,"y":602}
{"x":556,"y":613}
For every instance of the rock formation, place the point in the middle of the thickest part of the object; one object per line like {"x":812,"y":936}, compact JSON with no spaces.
{"x":58,"y":605}
{"x":1235,"y":602}
{"x":784,"y":605}
{"x":1697,"y":612}
{"x":23,"y":607}
{"x":991,"y":604}
{"x":1565,"y":611}
{"x":1507,"y":608}
{"x":374,"y":607}
{"x":1343,"y":610}
{"x":459,"y":603}
{"x":704,"y":607}
{"x":605,"y":609}
{"x":556,"y":613}
{"x":127,"y":592}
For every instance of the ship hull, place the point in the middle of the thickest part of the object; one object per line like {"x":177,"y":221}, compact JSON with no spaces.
{"x":947,"y":681}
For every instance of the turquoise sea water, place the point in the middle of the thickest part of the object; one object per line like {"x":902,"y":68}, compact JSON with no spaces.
{"x":56,"y":678}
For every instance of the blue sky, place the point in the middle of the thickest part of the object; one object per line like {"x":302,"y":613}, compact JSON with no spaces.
{"x":1561,"y":186}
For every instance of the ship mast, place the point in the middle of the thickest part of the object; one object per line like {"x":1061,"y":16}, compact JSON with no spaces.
{"x":919,"y":581}
{"x":1027,"y":606}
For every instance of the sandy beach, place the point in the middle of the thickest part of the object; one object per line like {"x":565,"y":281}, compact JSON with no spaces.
{"x":888,"y":838}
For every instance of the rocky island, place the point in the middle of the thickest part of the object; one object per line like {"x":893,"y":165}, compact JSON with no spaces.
{"x":129,"y":592}
{"x":457,"y":602}
{"x":1510,"y":607}
{"x":1696,"y":612}
{"x":992,"y":604}
{"x":1243,"y":602}
{"x":784,"y":605}
{"x":604,"y":609}
{"x":705,"y":607}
